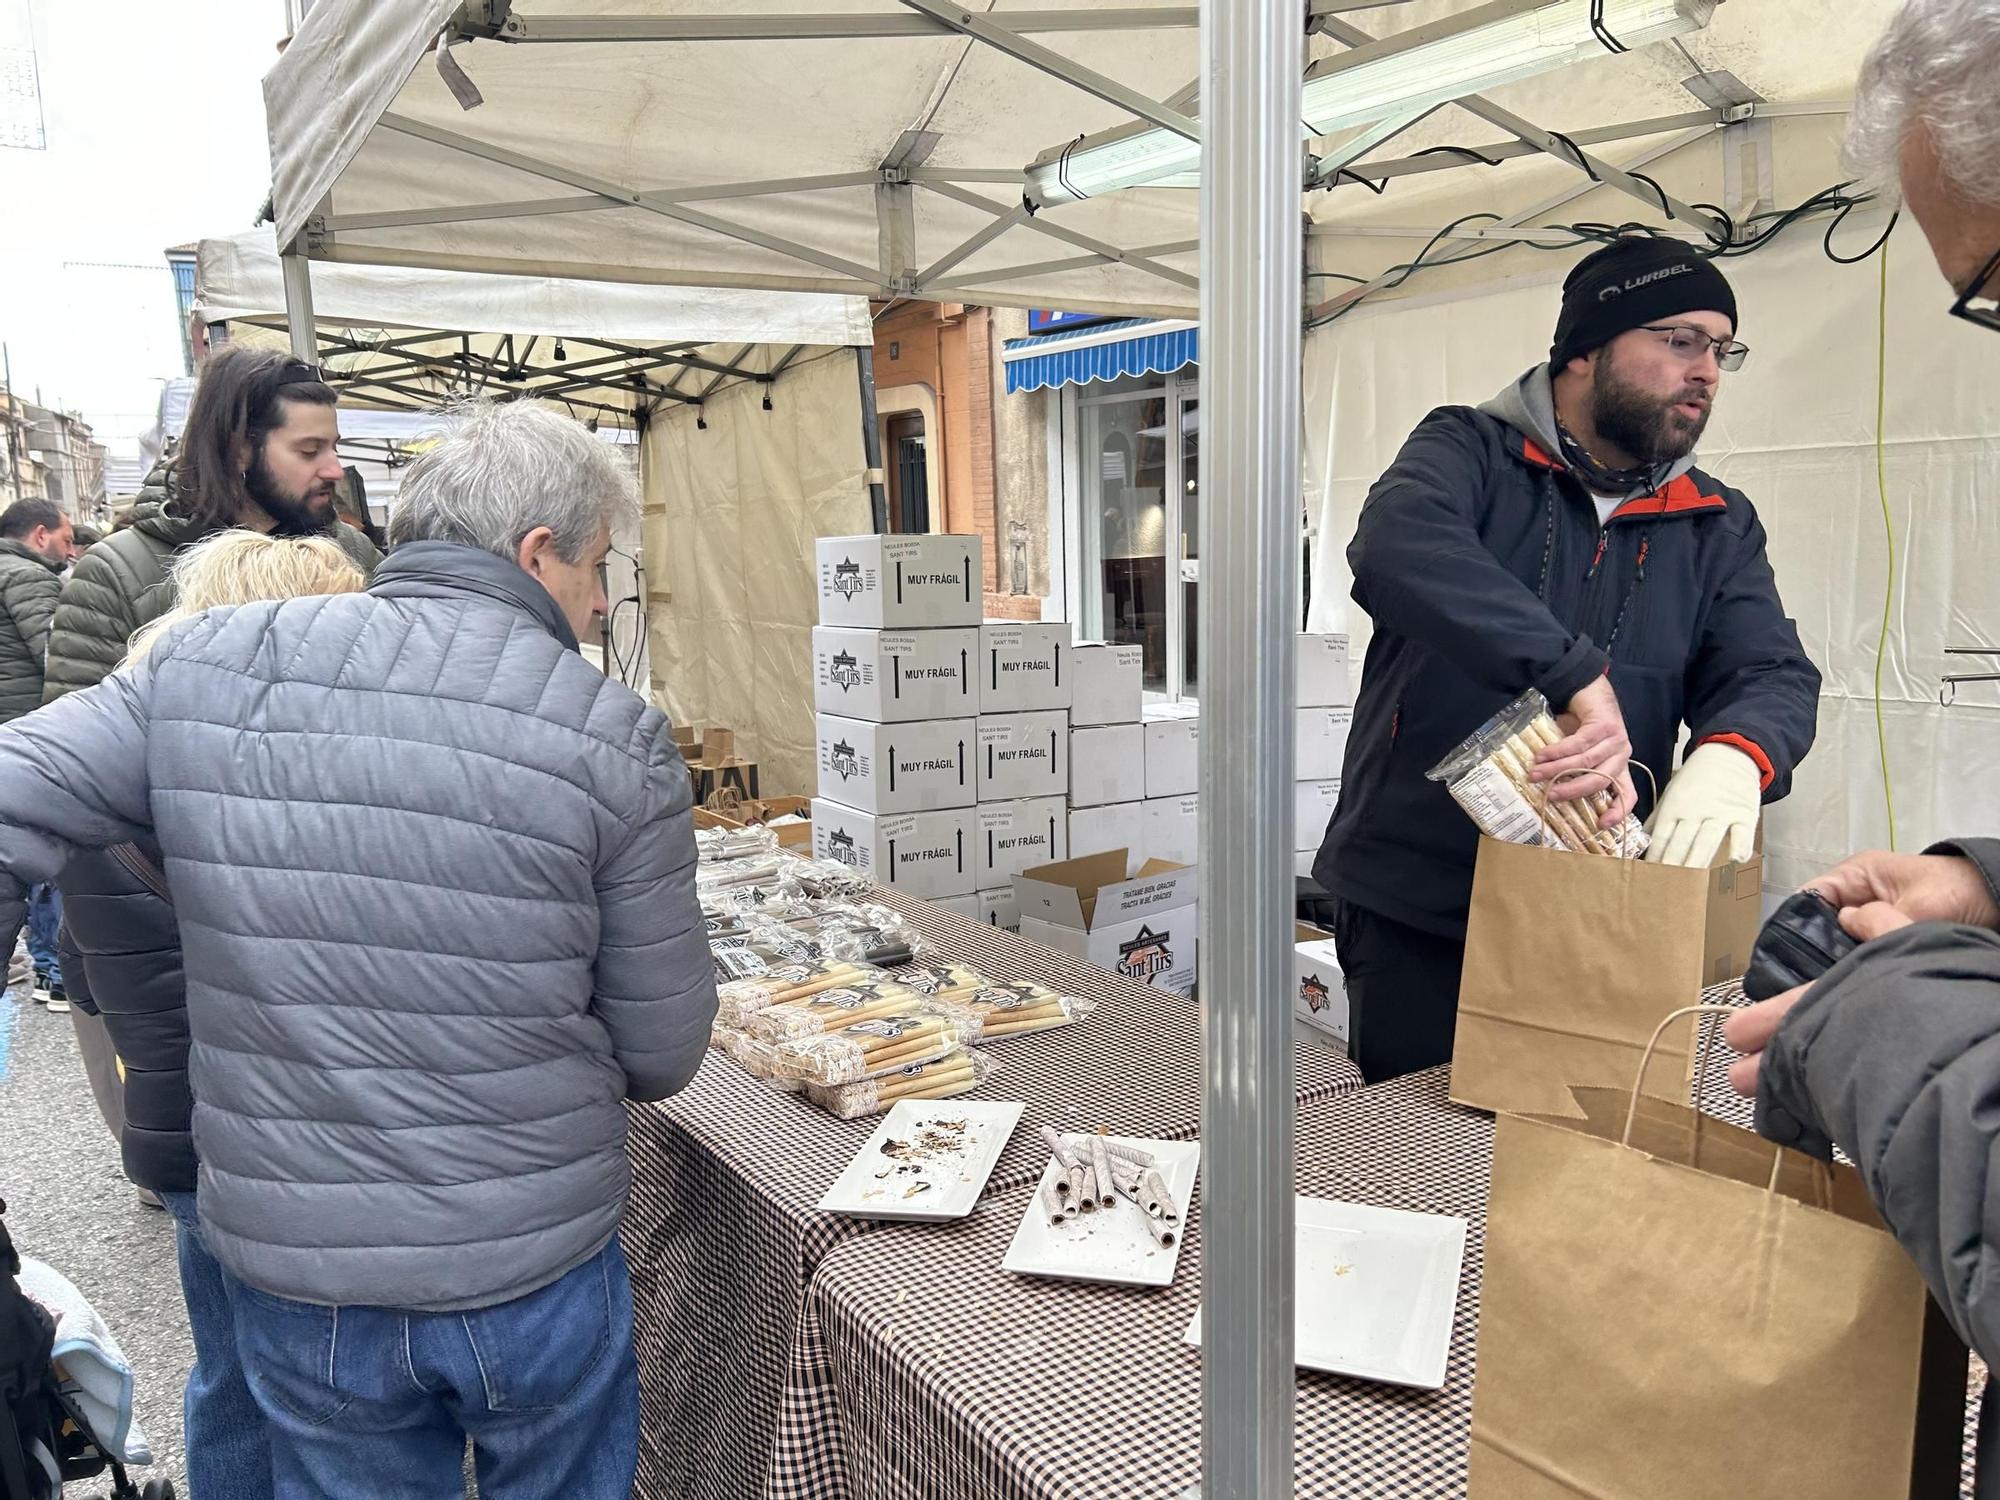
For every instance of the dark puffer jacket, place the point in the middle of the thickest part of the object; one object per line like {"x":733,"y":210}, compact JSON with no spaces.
{"x":121,"y":959}
{"x":121,"y":949}
{"x":29,"y":584}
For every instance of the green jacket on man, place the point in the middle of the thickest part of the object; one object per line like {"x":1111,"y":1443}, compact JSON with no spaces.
{"x":123,"y":583}
{"x":29,"y":584}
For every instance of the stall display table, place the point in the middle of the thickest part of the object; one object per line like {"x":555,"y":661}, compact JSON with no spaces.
{"x":956,"y":1379}
{"x":724,"y":1235}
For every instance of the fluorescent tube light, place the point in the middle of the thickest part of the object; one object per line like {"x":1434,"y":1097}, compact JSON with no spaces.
{"x":1501,"y":42}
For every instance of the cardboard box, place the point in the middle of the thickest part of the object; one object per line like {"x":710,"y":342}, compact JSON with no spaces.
{"x":1321,"y":745}
{"x":1178,"y":708}
{"x":734,"y":774}
{"x":928,"y":854}
{"x":1015,"y":836}
{"x":1173,"y":757}
{"x":1142,"y":927}
{"x":998,"y":908}
{"x":1322,"y":672}
{"x":1173,"y":829}
{"x":964,"y":906}
{"x":795,"y":831}
{"x":899,"y":582}
{"x":1107,"y":763}
{"x":889,"y":676}
{"x":889,"y":768}
{"x":1116,"y":825}
{"x":1313,"y":803}
{"x":1107,"y":683}
{"x":1023,"y":668}
{"x":1302,"y":863}
{"x":1023,"y":755}
{"x":1321,"y":999}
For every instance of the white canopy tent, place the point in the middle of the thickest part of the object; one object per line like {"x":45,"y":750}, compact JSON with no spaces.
{"x":919,"y":149}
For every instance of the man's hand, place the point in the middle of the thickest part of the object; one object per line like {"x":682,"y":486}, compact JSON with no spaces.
{"x":1750,"y":1030}
{"x":1923,"y":887}
{"x":1594,"y":741}
{"x":1711,"y":803}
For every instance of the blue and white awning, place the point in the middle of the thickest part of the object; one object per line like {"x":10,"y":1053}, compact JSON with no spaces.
{"x":1136,"y":346}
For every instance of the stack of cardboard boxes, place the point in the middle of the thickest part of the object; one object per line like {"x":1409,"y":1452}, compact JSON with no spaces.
{"x":1325,"y":710}
{"x":943,"y":742}
{"x":1107,"y":751}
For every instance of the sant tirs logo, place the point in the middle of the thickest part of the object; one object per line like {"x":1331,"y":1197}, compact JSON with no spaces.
{"x":1312,"y":990}
{"x":841,"y":760}
{"x":1146,"y":955}
{"x":840,"y":848}
{"x":847,"y":578}
{"x":846,"y":670}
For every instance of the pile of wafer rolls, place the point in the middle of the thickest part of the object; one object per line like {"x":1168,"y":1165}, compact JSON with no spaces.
{"x":958,"y":1071}
{"x":743,"y":998}
{"x":871,"y":1048}
{"x":1578,"y":824}
{"x":833,"y":1007}
{"x":1091,"y":1173}
{"x":1003,"y":1010}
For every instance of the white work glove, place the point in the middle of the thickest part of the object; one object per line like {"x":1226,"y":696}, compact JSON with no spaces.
{"x":1716,"y":794}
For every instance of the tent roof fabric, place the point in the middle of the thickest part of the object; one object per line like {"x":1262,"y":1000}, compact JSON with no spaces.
{"x":1136,"y":346}
{"x":876,"y":147}
{"x":393,"y":337}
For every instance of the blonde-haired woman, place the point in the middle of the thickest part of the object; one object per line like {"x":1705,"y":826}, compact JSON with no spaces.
{"x":122,"y":945}
{"x":247,"y":567}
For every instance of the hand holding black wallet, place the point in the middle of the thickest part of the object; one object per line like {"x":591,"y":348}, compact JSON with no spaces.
{"x":1801,"y":941}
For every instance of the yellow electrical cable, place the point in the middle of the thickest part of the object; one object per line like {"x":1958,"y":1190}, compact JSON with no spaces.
{"x":1888,"y":528}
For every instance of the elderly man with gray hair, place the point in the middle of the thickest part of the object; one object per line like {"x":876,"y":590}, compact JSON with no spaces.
{"x":1894,"y":1054}
{"x":435,"y":882}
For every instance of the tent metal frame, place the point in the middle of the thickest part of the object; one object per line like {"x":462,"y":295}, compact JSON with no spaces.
{"x":1250,"y":307}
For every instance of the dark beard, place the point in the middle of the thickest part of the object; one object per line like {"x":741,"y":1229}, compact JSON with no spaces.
{"x":1644,"y":426}
{"x":296,"y":515}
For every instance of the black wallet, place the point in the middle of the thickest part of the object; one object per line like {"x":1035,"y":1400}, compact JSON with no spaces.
{"x":1802,"y":941}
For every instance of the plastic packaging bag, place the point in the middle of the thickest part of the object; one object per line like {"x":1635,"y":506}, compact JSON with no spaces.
{"x":957,"y":1072}
{"x":1005,"y":1010}
{"x":1487,"y":775}
{"x":743,"y":998}
{"x":871,"y":1048}
{"x":816,"y":1012}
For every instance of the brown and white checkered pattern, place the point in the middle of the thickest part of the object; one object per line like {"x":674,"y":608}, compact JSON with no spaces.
{"x":724,"y":1237}
{"x":957,"y":1379}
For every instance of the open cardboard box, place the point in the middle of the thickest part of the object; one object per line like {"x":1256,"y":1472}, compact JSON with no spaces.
{"x":1142,"y":927}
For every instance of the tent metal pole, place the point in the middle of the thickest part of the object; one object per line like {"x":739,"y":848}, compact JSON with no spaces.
{"x":825,"y":27}
{"x":871,"y":438}
{"x":297,"y":270}
{"x":1251,"y":190}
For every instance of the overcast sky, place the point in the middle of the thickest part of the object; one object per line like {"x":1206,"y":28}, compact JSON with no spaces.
{"x":154,"y":124}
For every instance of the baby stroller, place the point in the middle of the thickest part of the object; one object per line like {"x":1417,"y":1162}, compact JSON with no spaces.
{"x":44,"y":1439}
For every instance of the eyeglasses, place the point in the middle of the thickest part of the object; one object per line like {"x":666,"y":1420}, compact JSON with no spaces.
{"x":1691,"y":343}
{"x":1987,"y":316}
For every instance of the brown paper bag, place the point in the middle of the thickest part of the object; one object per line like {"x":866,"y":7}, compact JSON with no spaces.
{"x":1664,"y":1320}
{"x":1570,"y":960}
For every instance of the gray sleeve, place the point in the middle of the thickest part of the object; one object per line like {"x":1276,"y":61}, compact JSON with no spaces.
{"x":1895,"y":1055}
{"x":72,"y":778}
{"x":655,"y":990}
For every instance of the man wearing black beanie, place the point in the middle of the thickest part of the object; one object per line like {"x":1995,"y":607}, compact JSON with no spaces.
{"x":1559,"y":537}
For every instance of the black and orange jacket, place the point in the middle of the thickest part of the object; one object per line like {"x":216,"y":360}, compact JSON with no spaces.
{"x":1480,"y":559}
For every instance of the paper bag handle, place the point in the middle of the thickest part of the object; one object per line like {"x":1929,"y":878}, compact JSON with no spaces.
{"x":1646,"y":1061}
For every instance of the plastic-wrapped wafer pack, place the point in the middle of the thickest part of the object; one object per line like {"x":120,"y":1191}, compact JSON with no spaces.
{"x":815,"y":1012}
{"x":871,"y":1048}
{"x":743,"y":998}
{"x":1487,"y":775}
{"x":722,"y":845}
{"x":957,"y":1072}
{"x":944,"y":981}
{"x":747,"y":884}
{"x":1006,"y":1010}
{"x":872,"y":934}
{"x":827,"y":879}
{"x":759,"y":1059}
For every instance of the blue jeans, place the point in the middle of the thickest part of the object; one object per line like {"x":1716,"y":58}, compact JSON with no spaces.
{"x":228,"y":1443}
{"x":44,"y":922}
{"x":376,"y":1401}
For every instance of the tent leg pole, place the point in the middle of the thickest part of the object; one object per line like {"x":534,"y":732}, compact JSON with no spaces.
{"x":299,"y":304}
{"x":1251,"y":186}
{"x":871,"y":439}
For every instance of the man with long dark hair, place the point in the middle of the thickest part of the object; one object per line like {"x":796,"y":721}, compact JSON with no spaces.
{"x":258,"y":452}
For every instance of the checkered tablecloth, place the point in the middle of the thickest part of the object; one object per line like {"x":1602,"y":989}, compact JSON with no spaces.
{"x":724,"y":1237}
{"x":956,"y":1379}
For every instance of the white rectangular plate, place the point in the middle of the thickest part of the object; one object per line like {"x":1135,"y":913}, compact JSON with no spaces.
{"x":1376,"y":1291}
{"x":1111,"y":1244}
{"x":928,"y":1159}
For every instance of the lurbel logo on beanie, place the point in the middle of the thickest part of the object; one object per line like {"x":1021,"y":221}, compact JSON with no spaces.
{"x":1647,"y":280}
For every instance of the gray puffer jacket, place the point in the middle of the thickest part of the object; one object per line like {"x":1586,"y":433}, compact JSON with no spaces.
{"x":29,"y":586}
{"x":435,"y":881}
